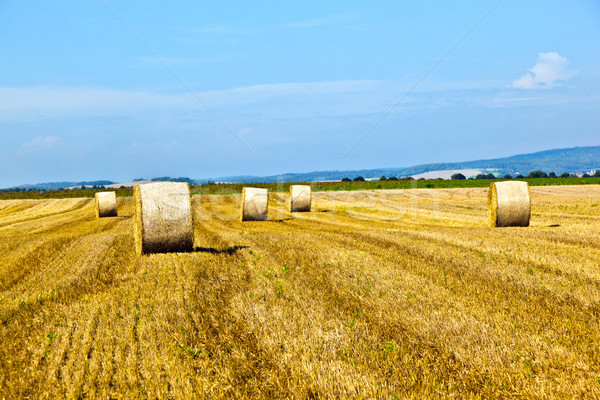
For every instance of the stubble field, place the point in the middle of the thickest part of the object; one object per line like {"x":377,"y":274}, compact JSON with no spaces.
{"x":374,"y":294}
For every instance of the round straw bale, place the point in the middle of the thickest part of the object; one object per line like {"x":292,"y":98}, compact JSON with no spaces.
{"x":300,"y":196}
{"x":254,"y":204}
{"x":163,"y":217}
{"x":509,"y":203}
{"x":105,"y":204}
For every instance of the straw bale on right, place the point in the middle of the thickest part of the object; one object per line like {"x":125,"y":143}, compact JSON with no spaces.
{"x":300,"y":198}
{"x":509,"y":204}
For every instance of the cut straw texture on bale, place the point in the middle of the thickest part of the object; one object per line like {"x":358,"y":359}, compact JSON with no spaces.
{"x":509,"y":204}
{"x":300,"y":197}
{"x":254,"y":204}
{"x":163,"y":217}
{"x":105,"y":204}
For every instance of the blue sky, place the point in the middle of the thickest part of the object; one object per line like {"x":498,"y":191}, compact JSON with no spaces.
{"x":292,"y":86}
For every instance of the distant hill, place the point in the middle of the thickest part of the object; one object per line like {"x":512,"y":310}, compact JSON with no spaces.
{"x":105,"y":183}
{"x":575,"y":159}
{"x":572,"y":160}
{"x":62,"y":185}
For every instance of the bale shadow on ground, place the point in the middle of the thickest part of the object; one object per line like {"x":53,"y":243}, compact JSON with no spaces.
{"x":230,"y":250}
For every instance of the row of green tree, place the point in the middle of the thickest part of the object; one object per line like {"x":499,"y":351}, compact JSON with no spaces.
{"x":459,"y":176}
{"x":383,"y":178}
{"x":532,"y":174}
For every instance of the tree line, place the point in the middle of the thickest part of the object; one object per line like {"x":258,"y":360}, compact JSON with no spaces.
{"x":459,"y":176}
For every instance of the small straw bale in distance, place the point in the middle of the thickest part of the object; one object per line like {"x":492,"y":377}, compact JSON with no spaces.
{"x":254,"y":204}
{"x":300,"y":198}
{"x":105,"y":204}
{"x":163,"y":217}
{"x":509,"y":204}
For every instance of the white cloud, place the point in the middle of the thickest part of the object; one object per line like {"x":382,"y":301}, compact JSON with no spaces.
{"x":37,"y":145}
{"x":220,"y":30}
{"x":244,"y":104}
{"x":246,"y":132}
{"x":35,"y":103}
{"x":321,"y":21}
{"x":177,"y":61}
{"x":550,"y":70}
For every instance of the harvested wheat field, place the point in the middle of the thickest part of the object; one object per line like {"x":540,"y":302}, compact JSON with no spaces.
{"x":373,"y":294}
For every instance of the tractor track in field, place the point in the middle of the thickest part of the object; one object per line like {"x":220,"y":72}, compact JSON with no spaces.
{"x":365,"y":241}
{"x":49,"y":215}
{"x":347,"y":303}
{"x":373,"y":294}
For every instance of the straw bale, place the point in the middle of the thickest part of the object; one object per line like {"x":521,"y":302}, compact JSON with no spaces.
{"x":300,"y":198}
{"x":105,"y":204}
{"x":509,"y":204}
{"x":254,"y":204}
{"x":163,"y":217}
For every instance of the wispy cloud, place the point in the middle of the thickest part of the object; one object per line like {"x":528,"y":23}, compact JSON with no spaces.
{"x":327,"y":20}
{"x":266,"y":91}
{"x":179,"y":61}
{"x":44,"y":102}
{"x":503,"y":100}
{"x":37,"y":145}
{"x":255,"y":102}
{"x":550,"y":71}
{"x":220,"y":30}
{"x":519,"y":98}
{"x":34,"y":103}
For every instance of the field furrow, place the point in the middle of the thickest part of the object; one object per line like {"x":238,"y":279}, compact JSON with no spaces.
{"x":374,"y":294}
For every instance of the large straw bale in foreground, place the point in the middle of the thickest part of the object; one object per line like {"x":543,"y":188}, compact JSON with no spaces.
{"x":300,"y":197}
{"x":254,"y":204}
{"x":163,"y":217}
{"x":105,"y":204}
{"x":509,"y":203}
